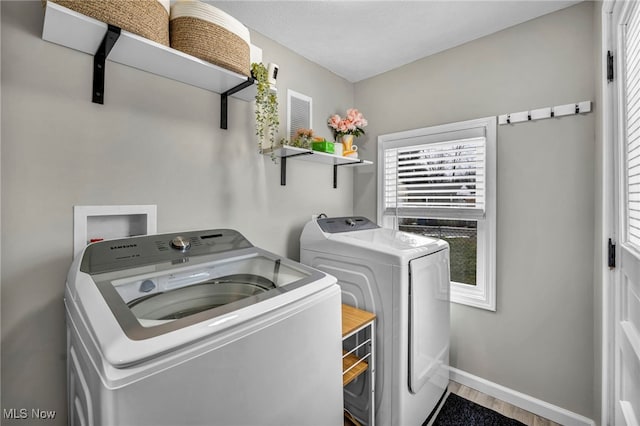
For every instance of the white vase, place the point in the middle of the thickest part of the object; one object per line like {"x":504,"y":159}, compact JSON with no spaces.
{"x":337,"y":148}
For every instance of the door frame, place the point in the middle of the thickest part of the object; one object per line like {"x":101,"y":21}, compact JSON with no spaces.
{"x":613,"y":200}
{"x":609,"y":211}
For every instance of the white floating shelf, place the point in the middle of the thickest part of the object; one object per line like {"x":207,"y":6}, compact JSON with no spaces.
{"x":303,"y":154}
{"x":76,"y":31}
{"x":318,"y":157}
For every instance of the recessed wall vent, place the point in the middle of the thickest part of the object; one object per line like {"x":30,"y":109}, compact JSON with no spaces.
{"x":298,"y":112}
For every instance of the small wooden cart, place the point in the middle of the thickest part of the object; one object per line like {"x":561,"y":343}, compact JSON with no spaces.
{"x":360,"y":358}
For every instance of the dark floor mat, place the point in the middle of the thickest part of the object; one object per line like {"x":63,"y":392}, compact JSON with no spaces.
{"x":457,"y":411}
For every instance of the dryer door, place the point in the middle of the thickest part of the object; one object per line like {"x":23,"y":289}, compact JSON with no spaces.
{"x":428,"y":319}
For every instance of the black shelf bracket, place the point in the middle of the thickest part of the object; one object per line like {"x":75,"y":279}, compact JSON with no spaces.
{"x":335,"y":171}
{"x":283,"y":171}
{"x":283,"y":166}
{"x":224,"y":99}
{"x":99,"y":61}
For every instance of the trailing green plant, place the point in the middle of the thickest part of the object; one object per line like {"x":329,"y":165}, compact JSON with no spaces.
{"x":267,"y":120}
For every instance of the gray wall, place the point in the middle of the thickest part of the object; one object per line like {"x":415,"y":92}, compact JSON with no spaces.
{"x":60,"y":150}
{"x":541,"y":339}
{"x":155,"y":141}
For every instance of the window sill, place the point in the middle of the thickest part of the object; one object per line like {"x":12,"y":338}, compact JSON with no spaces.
{"x":474,"y":296}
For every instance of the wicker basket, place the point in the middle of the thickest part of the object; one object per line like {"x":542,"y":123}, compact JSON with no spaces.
{"x":209,"y":41}
{"x":147,"y":18}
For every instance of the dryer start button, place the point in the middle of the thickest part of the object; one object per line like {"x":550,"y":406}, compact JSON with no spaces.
{"x":181,"y":243}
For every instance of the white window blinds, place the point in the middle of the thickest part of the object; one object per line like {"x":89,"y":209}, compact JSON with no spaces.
{"x":436,"y":179}
{"x":632,"y":68}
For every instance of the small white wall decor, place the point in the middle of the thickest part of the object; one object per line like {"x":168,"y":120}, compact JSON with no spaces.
{"x":299,"y":112}
{"x":96,"y":223}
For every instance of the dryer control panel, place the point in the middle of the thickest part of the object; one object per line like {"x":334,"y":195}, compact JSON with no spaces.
{"x":334,"y":225}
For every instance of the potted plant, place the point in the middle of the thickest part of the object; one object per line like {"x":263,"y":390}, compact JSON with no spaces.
{"x":267,"y":120}
{"x":302,"y":139}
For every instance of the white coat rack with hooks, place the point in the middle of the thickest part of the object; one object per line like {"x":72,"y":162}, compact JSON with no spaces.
{"x":548,"y":112}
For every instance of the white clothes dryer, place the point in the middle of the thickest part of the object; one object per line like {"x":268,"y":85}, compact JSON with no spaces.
{"x":200,"y":328}
{"x":404,"y":279}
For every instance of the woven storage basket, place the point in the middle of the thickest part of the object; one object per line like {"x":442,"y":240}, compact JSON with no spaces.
{"x":147,"y":18}
{"x":209,"y":41}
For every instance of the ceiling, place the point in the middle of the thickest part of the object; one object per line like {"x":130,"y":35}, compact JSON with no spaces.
{"x":360,"y":39}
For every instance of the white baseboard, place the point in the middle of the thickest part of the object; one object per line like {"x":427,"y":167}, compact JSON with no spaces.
{"x":526,"y":402}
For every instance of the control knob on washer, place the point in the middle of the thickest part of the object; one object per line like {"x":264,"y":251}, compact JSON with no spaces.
{"x":181,"y":243}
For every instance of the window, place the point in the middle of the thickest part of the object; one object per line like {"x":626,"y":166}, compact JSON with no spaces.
{"x":441,"y":182}
{"x":631,"y":94}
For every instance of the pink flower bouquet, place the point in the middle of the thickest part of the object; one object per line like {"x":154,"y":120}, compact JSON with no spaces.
{"x":352,"y":124}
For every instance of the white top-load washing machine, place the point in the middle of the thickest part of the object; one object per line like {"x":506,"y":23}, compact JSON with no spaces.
{"x":200,"y":328}
{"x":404,"y":279}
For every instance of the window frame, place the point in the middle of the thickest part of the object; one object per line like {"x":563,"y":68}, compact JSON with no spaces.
{"x":483,"y":294}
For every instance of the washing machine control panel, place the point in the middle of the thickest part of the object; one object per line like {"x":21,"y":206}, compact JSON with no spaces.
{"x":334,"y":225}
{"x":113,"y":255}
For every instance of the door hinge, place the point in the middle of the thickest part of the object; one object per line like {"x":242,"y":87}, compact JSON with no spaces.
{"x":609,"y":66}
{"x":612,"y":254}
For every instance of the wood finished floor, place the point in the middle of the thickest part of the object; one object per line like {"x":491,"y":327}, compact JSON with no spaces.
{"x":501,"y":407}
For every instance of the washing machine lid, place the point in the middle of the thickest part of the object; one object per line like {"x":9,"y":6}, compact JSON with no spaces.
{"x":390,"y":239}
{"x":161,"y":300}
{"x":389,"y":245}
{"x":155,"y":285}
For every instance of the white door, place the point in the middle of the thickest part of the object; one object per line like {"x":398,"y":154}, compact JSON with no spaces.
{"x":429,"y":316}
{"x":624,"y":392}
